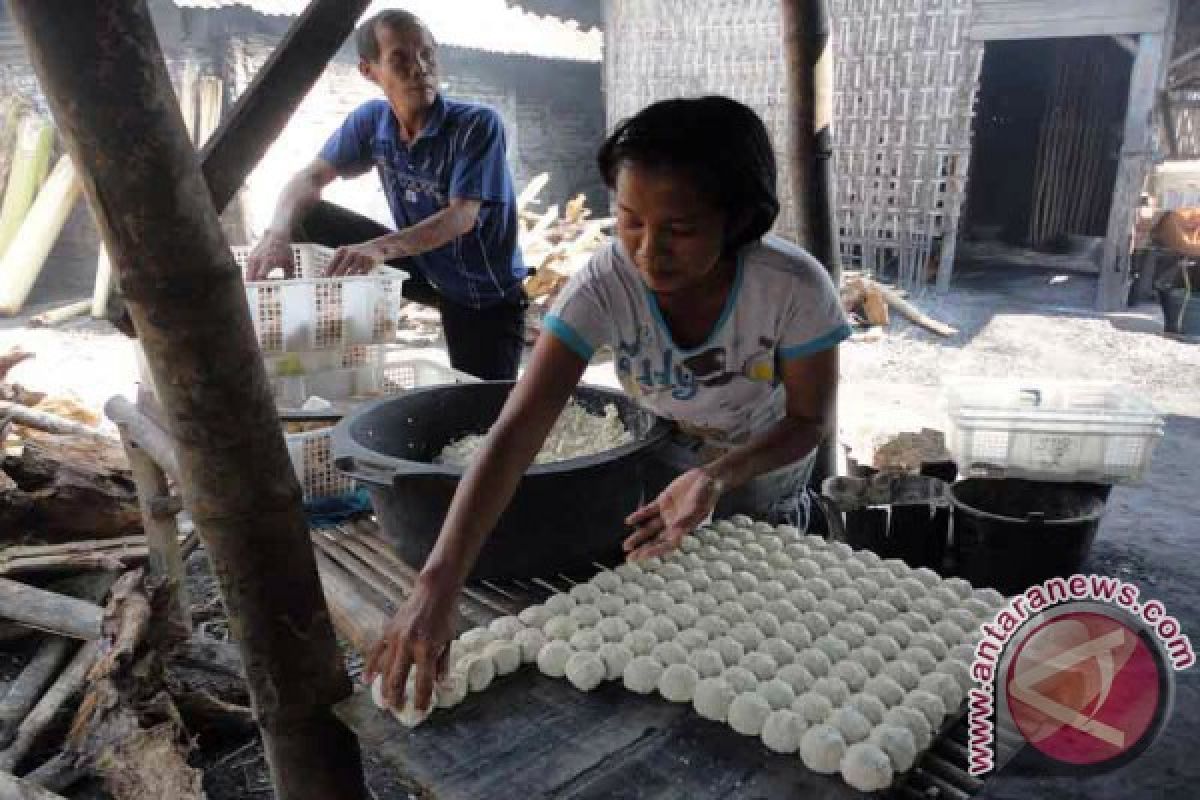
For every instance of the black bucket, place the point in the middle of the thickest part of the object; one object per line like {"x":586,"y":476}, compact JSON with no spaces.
{"x":564,"y":516}
{"x":1179,"y":306}
{"x":1011,"y":534}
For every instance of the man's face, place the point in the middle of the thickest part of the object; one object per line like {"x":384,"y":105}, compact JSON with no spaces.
{"x":407,"y":66}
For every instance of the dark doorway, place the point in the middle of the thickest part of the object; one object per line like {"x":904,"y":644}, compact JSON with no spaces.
{"x":1048,"y":128}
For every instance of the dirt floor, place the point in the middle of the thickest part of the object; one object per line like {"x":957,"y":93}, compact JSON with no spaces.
{"x":1025,"y":324}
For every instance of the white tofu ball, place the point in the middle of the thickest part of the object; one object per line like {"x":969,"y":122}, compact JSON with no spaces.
{"x":797,"y":551}
{"x":585,"y":671}
{"x":813,"y":707}
{"x":803,"y":600}
{"x":896,"y":598}
{"x":672,"y":572}
{"x":613,"y":629}
{"x":713,"y":625}
{"x":912,"y":587}
{"x":505,"y":627}
{"x":610,"y":605}
{"x":817,"y":542}
{"x":881,"y":610}
{"x":916,"y":622}
{"x":913,"y":721}
{"x":944,"y":686}
{"x":832,"y":609}
{"x":795,"y":634}
{"x":990,"y":596}
{"x":931,"y":642}
{"x":778,"y":649}
{"x":783,"y":610}
{"x":408,"y":714}
{"x":748,"y":634}
{"x":474,"y":640}
{"x":718,"y":571}
{"x":897,"y":567}
{"x":683,"y":614}
{"x":552,"y":658}
{"x":961,"y":588}
{"x":699,"y":580}
{"x":733,"y":612}
{"x":903,"y":673}
{"x":926,"y":577}
{"x":816,"y":622}
{"x":868,"y":705}
{"x":707,"y":662}
{"x":588,"y":639}
{"x":652,"y":582}
{"x":866,"y":587}
{"x":640,"y":642}
{"x":451,"y":689}
{"x":889,"y":692}
{"x":929,"y":607}
{"x":663,"y":627}
{"x":828,"y":560}
{"x":883,"y":577}
{"x":677,"y":684}
{"x":606,"y":581}
{"x":854,"y":568}
{"x":668,"y":653}
{"x":724,"y":526}
{"x":778,"y":694}
{"x":783,"y":730}
{"x":559,"y":604}
{"x":642,"y":674}
{"x":724,"y":591}
{"x":531,"y":641}
{"x":820,"y":587}
{"x":752,"y":601}
{"x":690,"y":543}
{"x":772,"y":590}
{"x":636,"y":614}
{"x":765,"y":621}
{"x":806,"y":568}
{"x":885,"y":645}
{"x":850,"y":723}
{"x":918,"y":657}
{"x":963,"y":651}
{"x":632,"y":592}
{"x":898,"y":630}
{"x":815,"y":661}
{"x":560,"y":627}
{"x":616,"y":658}
{"x":745,"y":581}
{"x":981,"y":610}
{"x":712,"y":698}
{"x":691,"y":639}
{"x":748,"y":713}
{"x":833,"y":647}
{"x":866,"y":621}
{"x":705,"y":603}
{"x":505,"y":656}
{"x":796,"y":676}
{"x":947,"y":632}
{"x":866,"y":767}
{"x":679,"y":590}
{"x":848,"y":597}
{"x":584,"y":594}
{"x":837,"y":577}
{"x":898,"y":743}
{"x":708,"y":534}
{"x":958,"y":670}
{"x":853,"y":674}
{"x":739,"y":562}
{"x":870,"y":658}
{"x":928,"y":704}
{"x":963,"y":619}
{"x":730,"y":649}
{"x":834,"y":689}
{"x":658,"y":601}
{"x":628,"y":571}
{"x":586,"y":615}
{"x":781,"y":562}
{"x":741,"y":521}
{"x":740,"y":679}
{"x":868,"y":557}
{"x":822,"y":748}
{"x":754,"y":551}
{"x":535,"y":616}
{"x":849,"y":632}
{"x":652,"y":564}
{"x":945,"y":596}
{"x":761,"y":664}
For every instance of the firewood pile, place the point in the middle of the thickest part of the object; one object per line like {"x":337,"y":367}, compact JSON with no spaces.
{"x":111,"y":688}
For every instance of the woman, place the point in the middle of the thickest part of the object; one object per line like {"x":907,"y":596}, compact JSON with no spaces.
{"x":731,"y":335}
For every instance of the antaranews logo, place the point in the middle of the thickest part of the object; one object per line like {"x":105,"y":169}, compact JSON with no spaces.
{"x":1079,"y":669}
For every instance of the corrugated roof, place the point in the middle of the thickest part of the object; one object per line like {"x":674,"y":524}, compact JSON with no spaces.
{"x":498,"y":26}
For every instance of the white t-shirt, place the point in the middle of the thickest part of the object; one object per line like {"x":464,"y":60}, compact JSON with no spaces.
{"x":782,"y":306}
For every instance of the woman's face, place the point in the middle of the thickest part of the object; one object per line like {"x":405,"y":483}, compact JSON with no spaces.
{"x":670,"y":229}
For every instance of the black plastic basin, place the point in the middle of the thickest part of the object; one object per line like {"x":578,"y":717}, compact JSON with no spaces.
{"x":564,"y":516}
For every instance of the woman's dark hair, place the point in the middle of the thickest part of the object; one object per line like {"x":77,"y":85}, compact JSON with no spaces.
{"x":718,"y":142}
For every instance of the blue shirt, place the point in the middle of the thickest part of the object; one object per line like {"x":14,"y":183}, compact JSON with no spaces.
{"x":459,"y":154}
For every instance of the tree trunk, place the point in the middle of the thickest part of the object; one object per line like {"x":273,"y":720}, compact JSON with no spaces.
{"x":188,"y":308}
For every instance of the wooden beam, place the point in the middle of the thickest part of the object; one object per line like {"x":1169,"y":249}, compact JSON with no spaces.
{"x":1113,"y":287}
{"x":188,"y":308}
{"x":1039,"y":19}
{"x":265,"y":107}
{"x":809,"y":59}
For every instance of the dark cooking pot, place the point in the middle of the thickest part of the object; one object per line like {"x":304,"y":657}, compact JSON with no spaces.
{"x":564,"y":515}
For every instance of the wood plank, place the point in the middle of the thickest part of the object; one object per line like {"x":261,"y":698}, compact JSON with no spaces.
{"x":533,"y":736}
{"x":1038,"y":19}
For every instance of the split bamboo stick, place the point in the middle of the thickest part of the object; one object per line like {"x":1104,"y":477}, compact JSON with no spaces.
{"x":50,"y":423}
{"x":103,"y":283}
{"x":25,"y":256}
{"x":34,"y":139}
{"x":11,"y":112}
{"x":54,"y":316}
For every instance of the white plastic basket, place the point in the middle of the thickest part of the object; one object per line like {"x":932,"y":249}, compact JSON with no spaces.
{"x":312,"y":312}
{"x":312,"y":451}
{"x":1041,"y":430}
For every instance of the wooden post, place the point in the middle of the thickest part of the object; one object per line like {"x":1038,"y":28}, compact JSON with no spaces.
{"x":139,"y":429}
{"x":1112,"y":290}
{"x":188,"y":307}
{"x":810,"y":156}
{"x":162,"y":534}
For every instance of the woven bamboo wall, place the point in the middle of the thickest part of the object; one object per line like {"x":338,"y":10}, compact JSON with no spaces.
{"x":905,"y":80}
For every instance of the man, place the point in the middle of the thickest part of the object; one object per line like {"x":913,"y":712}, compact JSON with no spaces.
{"x":443,"y":169}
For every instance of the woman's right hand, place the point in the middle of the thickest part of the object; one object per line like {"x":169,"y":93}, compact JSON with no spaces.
{"x":273,"y":251}
{"x":417,"y":637}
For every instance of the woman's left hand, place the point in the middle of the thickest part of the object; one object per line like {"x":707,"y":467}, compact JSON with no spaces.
{"x":683,"y":505}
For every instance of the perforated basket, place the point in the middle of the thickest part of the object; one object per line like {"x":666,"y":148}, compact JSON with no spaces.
{"x":311,"y":312}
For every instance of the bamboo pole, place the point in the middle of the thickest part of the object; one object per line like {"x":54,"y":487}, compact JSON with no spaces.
{"x":34,"y":138}
{"x":50,"y":423}
{"x":187,"y":304}
{"x":11,"y":112}
{"x":49,"y":611}
{"x":103,"y":283}
{"x":54,"y":316}
{"x":68,"y":684}
{"x":24,"y":692}
{"x":25,"y":256}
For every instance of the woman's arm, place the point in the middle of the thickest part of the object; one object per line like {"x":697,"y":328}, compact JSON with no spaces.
{"x":687,"y":502}
{"x":419,"y":632}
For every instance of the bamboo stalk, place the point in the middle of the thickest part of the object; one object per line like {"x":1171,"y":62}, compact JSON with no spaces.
{"x":49,"y":611}
{"x":50,"y":423}
{"x":25,"y":256}
{"x":33,"y":140}
{"x":68,"y":684}
{"x":61,"y":314}
{"x":11,"y":112}
{"x":103,"y":283}
{"x":27,"y":688}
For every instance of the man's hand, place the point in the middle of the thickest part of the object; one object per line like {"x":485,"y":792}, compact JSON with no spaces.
{"x":683,"y":505}
{"x":355,"y":259}
{"x":416,"y":638}
{"x":273,"y":251}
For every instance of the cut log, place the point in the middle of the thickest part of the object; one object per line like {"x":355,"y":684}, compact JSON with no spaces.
{"x":27,"y":688}
{"x":50,"y":423}
{"x":14,"y":788}
{"x":68,"y":684}
{"x":49,"y":611}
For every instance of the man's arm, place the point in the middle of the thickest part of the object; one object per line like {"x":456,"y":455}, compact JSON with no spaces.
{"x":456,"y":219}
{"x":298,"y":197}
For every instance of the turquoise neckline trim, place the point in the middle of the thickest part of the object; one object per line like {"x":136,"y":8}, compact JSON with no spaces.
{"x":726,"y":312}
